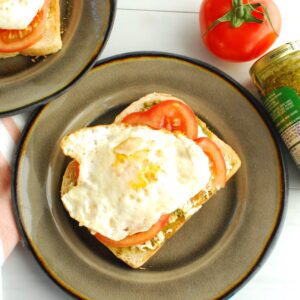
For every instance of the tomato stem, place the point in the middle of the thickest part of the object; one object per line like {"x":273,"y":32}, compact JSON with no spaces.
{"x":242,"y":13}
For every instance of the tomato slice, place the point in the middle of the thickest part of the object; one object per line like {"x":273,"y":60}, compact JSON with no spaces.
{"x":76,"y":168}
{"x":216,"y":157}
{"x":17,"y":40}
{"x":138,"y":238}
{"x":172,"y":115}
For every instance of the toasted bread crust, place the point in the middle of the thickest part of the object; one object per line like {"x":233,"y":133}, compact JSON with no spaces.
{"x":51,"y":41}
{"x":134,"y":256}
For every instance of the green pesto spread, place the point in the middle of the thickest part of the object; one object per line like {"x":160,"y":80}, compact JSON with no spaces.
{"x":285,"y":73}
{"x":148,"y":105}
{"x":282,"y":73}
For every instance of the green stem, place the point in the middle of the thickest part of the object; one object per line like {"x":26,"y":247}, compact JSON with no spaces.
{"x":242,"y":13}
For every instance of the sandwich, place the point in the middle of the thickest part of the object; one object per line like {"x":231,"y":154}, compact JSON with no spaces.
{"x":134,"y":183}
{"x":30,"y":28}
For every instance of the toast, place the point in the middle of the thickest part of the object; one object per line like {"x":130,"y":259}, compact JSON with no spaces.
{"x":136,"y":256}
{"x":51,"y":41}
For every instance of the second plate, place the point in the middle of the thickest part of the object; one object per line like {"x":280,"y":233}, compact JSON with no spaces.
{"x":26,"y":82}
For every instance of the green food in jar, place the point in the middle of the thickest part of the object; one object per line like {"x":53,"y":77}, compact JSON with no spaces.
{"x":277,"y":77}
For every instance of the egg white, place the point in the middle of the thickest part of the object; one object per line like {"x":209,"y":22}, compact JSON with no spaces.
{"x":130,"y":176}
{"x":18,"y":14}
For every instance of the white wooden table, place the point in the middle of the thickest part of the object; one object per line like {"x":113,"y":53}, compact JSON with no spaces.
{"x":172,"y":26}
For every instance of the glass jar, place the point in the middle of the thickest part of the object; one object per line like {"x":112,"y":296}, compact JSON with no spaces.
{"x":277,"y":77}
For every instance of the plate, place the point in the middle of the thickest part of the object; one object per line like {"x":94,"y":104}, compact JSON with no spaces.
{"x":218,"y":249}
{"x":26,"y":82}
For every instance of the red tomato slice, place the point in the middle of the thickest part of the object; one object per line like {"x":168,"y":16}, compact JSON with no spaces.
{"x":172,"y":115}
{"x":135,"y":239}
{"x":17,"y":40}
{"x":76,"y":168}
{"x":216,"y":157}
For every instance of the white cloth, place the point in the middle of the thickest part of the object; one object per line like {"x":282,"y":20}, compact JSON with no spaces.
{"x":10,"y":131}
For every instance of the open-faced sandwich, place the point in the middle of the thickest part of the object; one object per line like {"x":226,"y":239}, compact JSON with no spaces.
{"x":135,"y":182}
{"x":29,"y":27}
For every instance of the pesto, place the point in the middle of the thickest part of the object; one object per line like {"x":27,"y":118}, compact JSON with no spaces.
{"x":205,"y":130}
{"x":179,"y":213}
{"x":148,"y":105}
{"x":279,"y":68}
{"x":277,"y":77}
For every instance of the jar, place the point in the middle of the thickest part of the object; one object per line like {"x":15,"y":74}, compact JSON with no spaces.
{"x":277,"y":77}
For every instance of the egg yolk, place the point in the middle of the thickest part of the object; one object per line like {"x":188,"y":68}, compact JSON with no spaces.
{"x":134,"y":165}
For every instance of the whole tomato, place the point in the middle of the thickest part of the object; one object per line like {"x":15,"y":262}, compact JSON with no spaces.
{"x":239,"y":30}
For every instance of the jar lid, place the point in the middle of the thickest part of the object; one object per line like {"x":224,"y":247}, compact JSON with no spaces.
{"x":274,"y":56}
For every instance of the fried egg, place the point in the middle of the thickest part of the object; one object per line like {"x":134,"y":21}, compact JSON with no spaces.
{"x":130,"y":176}
{"x":18,"y":14}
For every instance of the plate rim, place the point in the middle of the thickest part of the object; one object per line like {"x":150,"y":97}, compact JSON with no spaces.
{"x":88,"y":66}
{"x":271,"y":242}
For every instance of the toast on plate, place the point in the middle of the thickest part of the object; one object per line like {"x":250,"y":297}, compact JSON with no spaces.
{"x":135,"y":256}
{"x":51,"y":41}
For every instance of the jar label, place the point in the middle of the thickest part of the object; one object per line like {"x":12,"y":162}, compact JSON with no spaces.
{"x":283,"y":104}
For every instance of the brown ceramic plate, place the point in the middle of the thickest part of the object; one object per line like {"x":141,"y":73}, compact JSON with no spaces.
{"x":25,"y":82}
{"x":217,"y":250}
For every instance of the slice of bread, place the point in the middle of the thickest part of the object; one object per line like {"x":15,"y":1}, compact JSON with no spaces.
{"x":136,"y":256}
{"x":51,"y":41}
